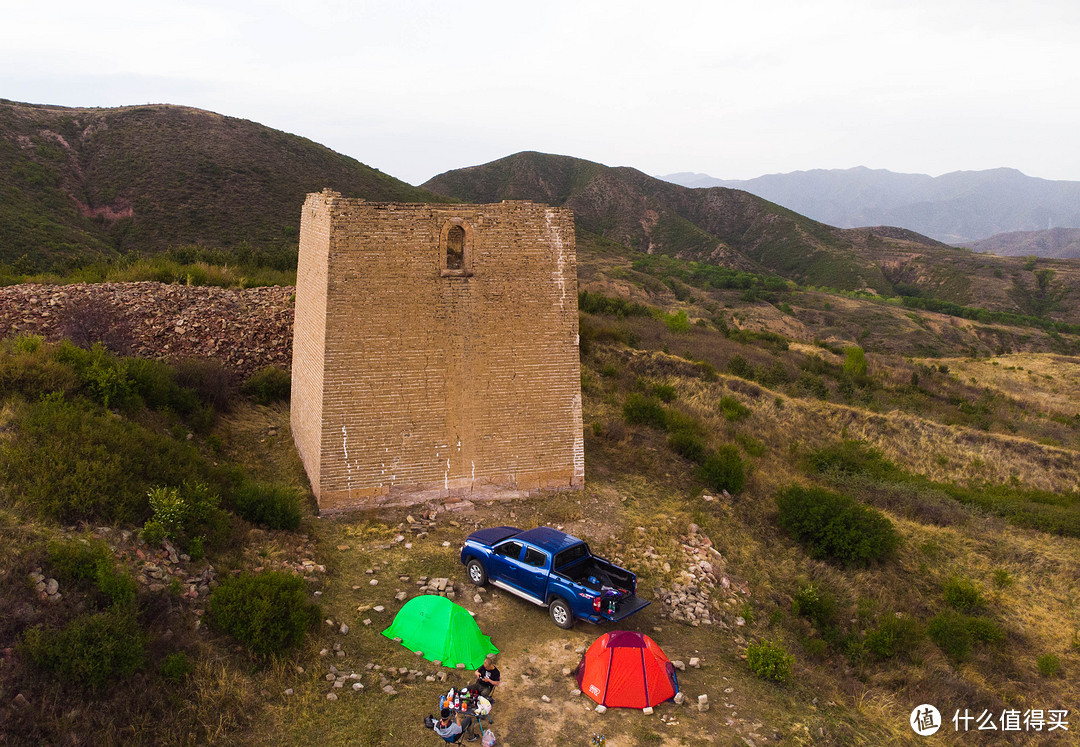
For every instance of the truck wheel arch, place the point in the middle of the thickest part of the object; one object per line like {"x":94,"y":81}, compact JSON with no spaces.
{"x":476,"y":571}
{"x":562,"y":614}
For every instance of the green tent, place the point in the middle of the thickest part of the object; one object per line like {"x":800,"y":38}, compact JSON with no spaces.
{"x":442,"y":630}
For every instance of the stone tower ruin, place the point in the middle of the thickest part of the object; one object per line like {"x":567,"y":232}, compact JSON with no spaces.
{"x":435,"y":351}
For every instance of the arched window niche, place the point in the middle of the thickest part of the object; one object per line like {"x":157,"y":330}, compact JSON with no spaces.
{"x":455,"y":246}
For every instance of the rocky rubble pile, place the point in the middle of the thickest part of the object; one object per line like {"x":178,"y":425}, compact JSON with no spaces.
{"x":245,"y":329}
{"x":48,"y":589}
{"x":691,"y":598}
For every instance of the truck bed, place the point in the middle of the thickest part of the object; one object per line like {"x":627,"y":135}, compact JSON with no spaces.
{"x":595,"y":573}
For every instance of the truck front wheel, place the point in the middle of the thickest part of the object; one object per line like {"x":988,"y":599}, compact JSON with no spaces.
{"x":561,"y":614}
{"x":476,"y":572}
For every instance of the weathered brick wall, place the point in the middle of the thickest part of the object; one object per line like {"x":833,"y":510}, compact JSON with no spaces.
{"x":309,"y":334}
{"x":436,"y":383}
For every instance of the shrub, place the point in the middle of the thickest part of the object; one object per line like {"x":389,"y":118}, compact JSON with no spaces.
{"x":169,"y":509}
{"x":95,"y":321}
{"x":733,"y":409}
{"x":723,"y":470}
{"x":817,"y":605}
{"x":76,"y":561}
{"x":116,"y":585}
{"x":596,"y":303}
{"x":28,"y":367}
{"x":835,"y":526}
{"x":91,"y":650}
{"x":769,"y":661}
{"x":89,"y":566}
{"x":962,"y":594}
{"x":894,"y":636}
{"x":642,"y":410}
{"x":664,"y":392}
{"x":753,"y":446}
{"x":275,"y":506}
{"x":268,"y":612}
{"x":153,"y":533}
{"x":1049,"y":665}
{"x":74,"y":463}
{"x":855,"y":362}
{"x":813,"y":386}
{"x":184,"y":513}
{"x":738,"y":366}
{"x":208,"y":379}
{"x":1002,"y":578}
{"x":154,"y":382}
{"x":677,"y":322}
{"x":676,"y":421}
{"x":956,"y":633}
{"x":176,"y":667}
{"x":851,"y":458}
{"x":688,"y":444}
{"x":267,"y":385}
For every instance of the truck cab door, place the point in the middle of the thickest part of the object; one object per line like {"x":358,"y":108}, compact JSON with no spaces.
{"x":503,"y":562}
{"x":533,"y":572}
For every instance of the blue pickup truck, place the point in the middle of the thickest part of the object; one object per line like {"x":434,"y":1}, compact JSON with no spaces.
{"x":554,"y":570}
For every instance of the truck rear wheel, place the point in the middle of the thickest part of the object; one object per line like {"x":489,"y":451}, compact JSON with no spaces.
{"x":561,"y":614}
{"x":476,"y":572}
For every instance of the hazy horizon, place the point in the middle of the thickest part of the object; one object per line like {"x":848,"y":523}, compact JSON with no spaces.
{"x":735,"y":92}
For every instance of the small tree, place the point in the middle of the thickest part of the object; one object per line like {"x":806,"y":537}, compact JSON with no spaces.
{"x":855,"y":363}
{"x":769,"y":661}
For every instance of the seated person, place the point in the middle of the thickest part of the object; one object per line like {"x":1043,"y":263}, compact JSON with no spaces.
{"x":487,"y":677}
{"x":451,"y":728}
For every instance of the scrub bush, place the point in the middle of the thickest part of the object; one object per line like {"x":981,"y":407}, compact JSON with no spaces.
{"x":733,"y":409}
{"x":267,"y":385}
{"x":208,"y":379}
{"x":89,"y":567}
{"x":189,"y":514}
{"x":723,"y":470}
{"x":689,"y":445}
{"x":769,"y":661}
{"x":817,"y":605}
{"x":641,"y":410}
{"x":1049,"y":665}
{"x":894,"y":636}
{"x":851,"y":458}
{"x":956,"y":633}
{"x":664,"y":392}
{"x":92,"y":650}
{"x":962,"y":594}
{"x":73,"y":462}
{"x":269,"y":612}
{"x":835,"y":526}
{"x":176,"y":667}
{"x":274,"y":506}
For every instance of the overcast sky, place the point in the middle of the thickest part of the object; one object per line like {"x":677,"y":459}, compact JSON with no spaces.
{"x":732,"y":89}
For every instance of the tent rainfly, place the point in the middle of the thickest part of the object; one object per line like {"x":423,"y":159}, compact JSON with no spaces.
{"x":623,"y":669}
{"x":439,"y":630}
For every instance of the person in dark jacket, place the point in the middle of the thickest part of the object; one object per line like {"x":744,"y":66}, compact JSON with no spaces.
{"x":487,"y":677}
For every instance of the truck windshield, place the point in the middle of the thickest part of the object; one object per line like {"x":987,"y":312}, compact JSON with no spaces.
{"x":571,"y":555}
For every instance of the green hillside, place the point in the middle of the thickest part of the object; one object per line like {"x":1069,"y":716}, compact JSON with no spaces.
{"x":85,"y":184}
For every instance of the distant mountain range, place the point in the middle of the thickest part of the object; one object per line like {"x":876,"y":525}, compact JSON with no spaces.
{"x":957,"y":208}
{"x":737,"y":229}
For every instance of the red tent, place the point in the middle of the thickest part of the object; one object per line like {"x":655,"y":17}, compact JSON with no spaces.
{"x":622,"y":669}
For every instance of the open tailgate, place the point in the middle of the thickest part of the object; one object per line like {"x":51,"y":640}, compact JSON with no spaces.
{"x":627,"y":607}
